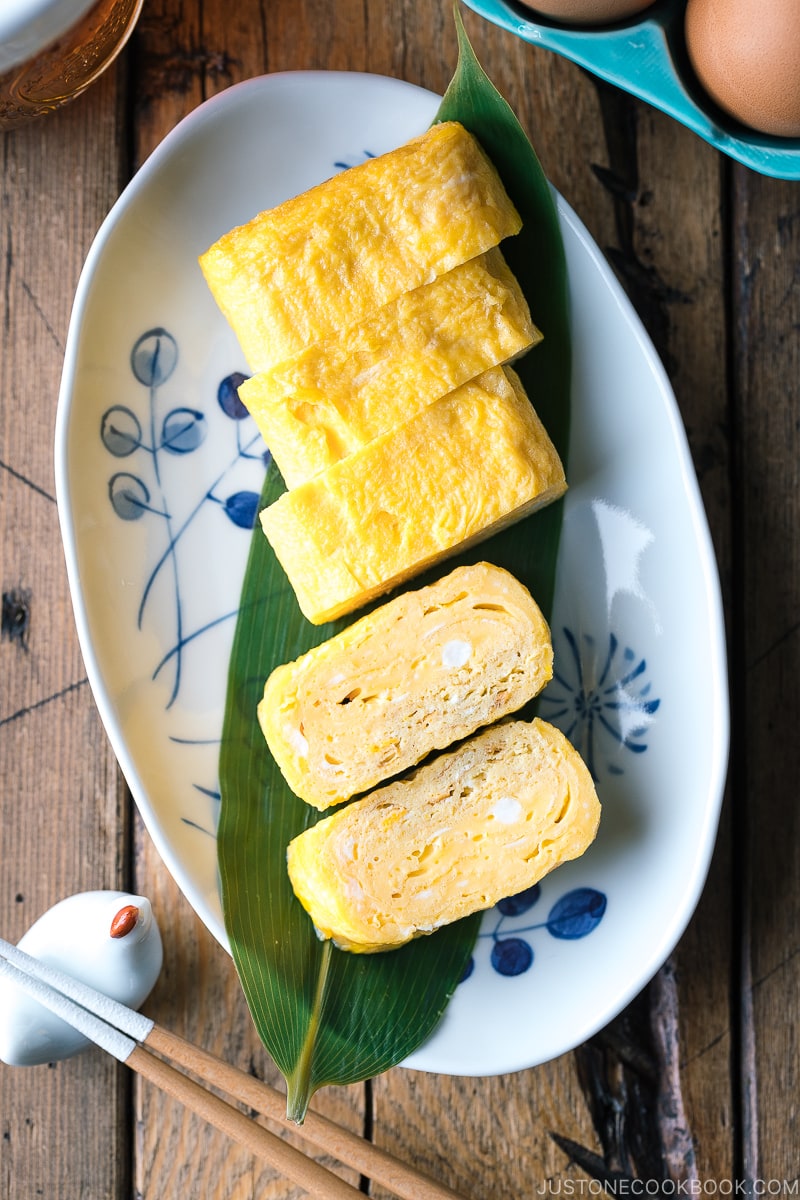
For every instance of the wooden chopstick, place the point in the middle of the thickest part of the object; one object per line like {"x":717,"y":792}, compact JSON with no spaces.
{"x":309,"y":1174}
{"x":131,"y":1037}
{"x":320,"y":1132}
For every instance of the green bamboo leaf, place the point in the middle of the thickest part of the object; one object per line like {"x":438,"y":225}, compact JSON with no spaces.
{"x":326,"y":1016}
{"x":536,"y":256}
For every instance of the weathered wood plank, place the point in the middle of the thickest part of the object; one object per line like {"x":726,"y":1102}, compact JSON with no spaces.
{"x":489,"y":1139}
{"x":62,"y":814}
{"x":766,"y":390}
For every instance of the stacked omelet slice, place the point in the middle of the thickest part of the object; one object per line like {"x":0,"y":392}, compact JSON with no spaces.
{"x":378,"y":315}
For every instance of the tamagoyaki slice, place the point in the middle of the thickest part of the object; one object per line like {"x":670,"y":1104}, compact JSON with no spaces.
{"x":323,"y":260}
{"x":420,"y":672}
{"x":458,"y":471}
{"x":475,"y":825}
{"x":340,"y":393}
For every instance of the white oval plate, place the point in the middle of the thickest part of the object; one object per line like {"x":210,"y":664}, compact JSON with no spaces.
{"x":156,"y":476}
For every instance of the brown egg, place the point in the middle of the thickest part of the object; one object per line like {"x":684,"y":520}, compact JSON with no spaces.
{"x":746,"y":54}
{"x":587,"y":12}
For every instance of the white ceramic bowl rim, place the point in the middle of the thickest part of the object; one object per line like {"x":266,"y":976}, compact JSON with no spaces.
{"x":28,"y":26}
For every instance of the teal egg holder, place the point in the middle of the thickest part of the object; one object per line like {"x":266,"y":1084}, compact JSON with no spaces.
{"x":646,"y":56}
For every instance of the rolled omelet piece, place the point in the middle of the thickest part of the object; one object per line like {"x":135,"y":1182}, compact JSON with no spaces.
{"x":469,"y":828}
{"x":323,"y":260}
{"x":340,"y":393}
{"x":424,"y":670}
{"x":467,"y":465}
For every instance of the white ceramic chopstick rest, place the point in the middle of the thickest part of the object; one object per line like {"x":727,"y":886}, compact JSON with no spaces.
{"x":107,"y":939}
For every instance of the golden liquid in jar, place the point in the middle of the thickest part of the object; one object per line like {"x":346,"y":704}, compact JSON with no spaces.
{"x":68,"y":65}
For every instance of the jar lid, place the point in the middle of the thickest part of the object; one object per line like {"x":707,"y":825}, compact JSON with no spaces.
{"x":29,"y":26}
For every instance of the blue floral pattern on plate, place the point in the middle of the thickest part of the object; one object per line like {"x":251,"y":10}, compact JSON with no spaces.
{"x":574,"y":915}
{"x":600,"y":697}
{"x":602,"y":700}
{"x":171,"y":429}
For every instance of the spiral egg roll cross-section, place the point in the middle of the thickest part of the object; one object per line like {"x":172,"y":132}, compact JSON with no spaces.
{"x":462,"y":832}
{"x":419,"y":673}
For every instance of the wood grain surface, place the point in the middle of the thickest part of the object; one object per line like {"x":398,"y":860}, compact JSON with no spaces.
{"x":697,"y":1082}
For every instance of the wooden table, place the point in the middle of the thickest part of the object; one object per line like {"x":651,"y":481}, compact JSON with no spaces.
{"x":698,"y":1080}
